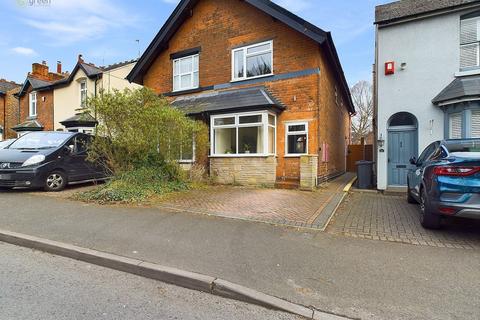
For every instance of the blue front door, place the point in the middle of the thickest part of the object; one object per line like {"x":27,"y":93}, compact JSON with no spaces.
{"x":402,"y":146}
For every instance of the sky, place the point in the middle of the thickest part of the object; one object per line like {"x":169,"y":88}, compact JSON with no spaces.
{"x":110,"y":31}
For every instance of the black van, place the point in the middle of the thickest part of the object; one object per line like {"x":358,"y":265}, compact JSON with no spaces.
{"x":48,"y":160}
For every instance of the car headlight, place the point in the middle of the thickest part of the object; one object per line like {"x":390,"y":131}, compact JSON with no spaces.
{"x":34,"y":160}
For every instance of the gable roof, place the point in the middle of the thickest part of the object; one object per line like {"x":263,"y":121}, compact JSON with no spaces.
{"x":37,"y":85}
{"x":181,"y":13}
{"x":403,"y":9}
{"x":460,"y":88}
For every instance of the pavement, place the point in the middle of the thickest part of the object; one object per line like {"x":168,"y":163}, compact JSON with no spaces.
{"x":391,"y":218}
{"x":37,"y":285}
{"x":347,"y":276}
{"x":281,"y":207}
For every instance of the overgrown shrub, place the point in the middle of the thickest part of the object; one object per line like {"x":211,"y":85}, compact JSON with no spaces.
{"x":140,"y":139}
{"x":140,"y":129}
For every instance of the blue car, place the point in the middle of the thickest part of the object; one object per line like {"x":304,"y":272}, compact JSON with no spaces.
{"x":446,"y":181}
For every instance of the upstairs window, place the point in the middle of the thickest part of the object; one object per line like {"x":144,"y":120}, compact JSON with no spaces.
{"x":470,"y":42}
{"x":252,"y":61}
{"x":32,"y":110}
{"x":185,"y":73}
{"x":83,"y":93}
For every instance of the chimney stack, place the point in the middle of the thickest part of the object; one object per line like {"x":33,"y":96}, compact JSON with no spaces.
{"x":59,"y":67}
{"x":40,"y":70}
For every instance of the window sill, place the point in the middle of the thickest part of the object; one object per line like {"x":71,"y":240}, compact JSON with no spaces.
{"x":32,"y":117}
{"x":252,"y":78}
{"x":467,"y":73}
{"x":295,"y":155}
{"x":187,"y":91}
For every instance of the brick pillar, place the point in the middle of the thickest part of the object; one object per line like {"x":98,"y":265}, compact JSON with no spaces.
{"x":308,"y":172}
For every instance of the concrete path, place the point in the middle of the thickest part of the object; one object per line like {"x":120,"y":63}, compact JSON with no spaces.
{"x":36,"y":285}
{"x":357,"y":278}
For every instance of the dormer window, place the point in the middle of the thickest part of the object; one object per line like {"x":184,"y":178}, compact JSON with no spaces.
{"x":470,"y":42}
{"x":83,"y":93}
{"x":186,"y":73}
{"x":252,"y":61}
{"x":32,"y":110}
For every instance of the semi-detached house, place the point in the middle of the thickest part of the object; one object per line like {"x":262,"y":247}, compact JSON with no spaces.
{"x":268,"y":84}
{"x":427,"y":80}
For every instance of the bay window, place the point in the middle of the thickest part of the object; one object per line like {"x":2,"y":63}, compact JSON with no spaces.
{"x":463,"y":124}
{"x":296,"y":139}
{"x":243,"y":134}
{"x":252,"y":61}
{"x":186,"y":73}
{"x":32,"y":110}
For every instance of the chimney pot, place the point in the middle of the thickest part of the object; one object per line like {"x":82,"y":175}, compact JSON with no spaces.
{"x":80,"y":58}
{"x":59,"y":67}
{"x":44,"y":62}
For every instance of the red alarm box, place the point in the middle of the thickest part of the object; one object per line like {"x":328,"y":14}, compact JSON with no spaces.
{"x":389,"y":68}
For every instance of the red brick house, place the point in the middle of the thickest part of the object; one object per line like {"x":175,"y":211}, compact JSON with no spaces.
{"x":269,"y":84}
{"x":36,"y":104}
{"x":8,"y":108}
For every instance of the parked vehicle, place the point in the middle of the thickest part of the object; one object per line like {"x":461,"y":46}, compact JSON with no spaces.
{"x":48,"y":160}
{"x":446,"y":181}
{"x":6,"y":143}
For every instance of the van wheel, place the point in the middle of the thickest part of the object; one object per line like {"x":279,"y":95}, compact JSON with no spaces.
{"x":55,"y":181}
{"x":428,"y":219}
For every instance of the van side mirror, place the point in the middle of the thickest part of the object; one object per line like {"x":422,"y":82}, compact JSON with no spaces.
{"x":413,"y":160}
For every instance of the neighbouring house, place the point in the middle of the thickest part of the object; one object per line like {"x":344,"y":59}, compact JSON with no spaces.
{"x":268,"y":84}
{"x":35,"y":108}
{"x":427,"y":79}
{"x":57,"y":101}
{"x":8,"y":108}
{"x":86,"y":80}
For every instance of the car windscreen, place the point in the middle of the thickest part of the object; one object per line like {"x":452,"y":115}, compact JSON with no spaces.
{"x":463,"y":146}
{"x":4,"y":144}
{"x":40,"y":140}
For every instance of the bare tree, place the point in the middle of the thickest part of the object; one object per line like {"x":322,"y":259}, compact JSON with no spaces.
{"x":362,"y":96}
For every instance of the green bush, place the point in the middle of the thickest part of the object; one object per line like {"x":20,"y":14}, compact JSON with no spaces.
{"x":136,"y":186}
{"x":140,"y":139}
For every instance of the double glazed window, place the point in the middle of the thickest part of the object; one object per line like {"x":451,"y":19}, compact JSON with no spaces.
{"x":32,"y":110}
{"x":83,"y":93}
{"x":297,"y":138}
{"x":252,"y":61}
{"x":470,"y":43}
{"x":243,"y":134}
{"x":185,"y":73}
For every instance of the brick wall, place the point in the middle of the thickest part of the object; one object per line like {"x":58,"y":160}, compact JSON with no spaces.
{"x":253,"y":171}
{"x":218,"y":26}
{"x":11,"y":117}
{"x":44,"y":108}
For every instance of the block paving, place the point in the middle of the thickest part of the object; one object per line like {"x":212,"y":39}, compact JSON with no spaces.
{"x":284,"y":207}
{"x":390,"y":218}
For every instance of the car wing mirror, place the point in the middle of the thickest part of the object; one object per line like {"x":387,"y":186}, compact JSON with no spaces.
{"x":413,"y":160}
{"x":69,"y":149}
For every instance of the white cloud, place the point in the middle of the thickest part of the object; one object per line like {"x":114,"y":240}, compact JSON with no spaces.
{"x":65,"y":22}
{"x":24,"y":51}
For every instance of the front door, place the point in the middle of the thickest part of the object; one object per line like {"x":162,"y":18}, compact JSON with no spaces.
{"x":402,"y":146}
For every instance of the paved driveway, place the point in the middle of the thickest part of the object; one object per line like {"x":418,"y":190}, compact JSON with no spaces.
{"x":391,"y":218}
{"x":286,"y":207}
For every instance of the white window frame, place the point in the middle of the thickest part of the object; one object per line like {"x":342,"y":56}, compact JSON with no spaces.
{"x":476,"y":43}
{"x":86,"y":130}
{"x":81,"y":90}
{"x":32,"y":101}
{"x":264,"y":123}
{"x":245,"y":56}
{"x":295,"y":133}
{"x":192,"y":73}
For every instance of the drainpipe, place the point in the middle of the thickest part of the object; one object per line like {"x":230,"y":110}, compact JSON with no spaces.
{"x":4,"y":116}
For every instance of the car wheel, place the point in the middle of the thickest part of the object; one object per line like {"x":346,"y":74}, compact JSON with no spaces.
{"x":428,"y":219}
{"x":55,"y":181}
